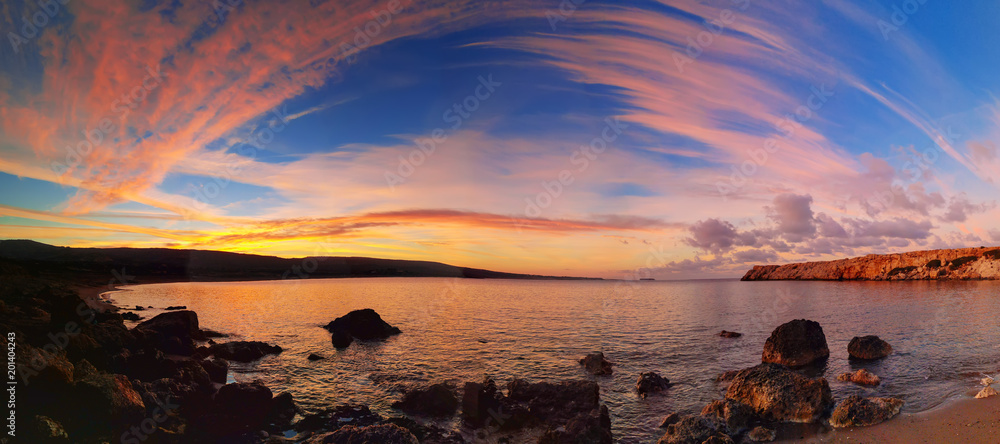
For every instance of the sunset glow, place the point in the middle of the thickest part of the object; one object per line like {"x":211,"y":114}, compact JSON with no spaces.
{"x":670,"y":139}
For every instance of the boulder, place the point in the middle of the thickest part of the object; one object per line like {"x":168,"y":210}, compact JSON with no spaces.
{"x":46,"y":430}
{"x":862,"y":376}
{"x":173,"y":332}
{"x":217,"y":369}
{"x":365,"y":325}
{"x":130,"y":316}
{"x":670,"y":419}
{"x":244,"y":351}
{"x":595,"y":364}
{"x":590,"y":428}
{"x":762,"y":434}
{"x":735,"y":416}
{"x":868,"y":348}
{"x":856,"y":411}
{"x":176,"y":307}
{"x":730,"y":334}
{"x":986,"y":392}
{"x":331,"y":418}
{"x":314,"y":357}
{"x":382,"y":434}
{"x":283,"y":410}
{"x":692,"y":429}
{"x":796,"y":343}
{"x":241,"y":406}
{"x":111,"y":402}
{"x":437,"y":400}
{"x":650,"y":382}
{"x":480,"y":402}
{"x":549,"y":403}
{"x":778,"y":394}
{"x":427,"y":433}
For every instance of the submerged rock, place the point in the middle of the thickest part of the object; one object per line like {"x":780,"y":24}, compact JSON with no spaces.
{"x":856,"y":411}
{"x":730,"y":334}
{"x":315,"y":357}
{"x":244,"y":351}
{"x":436,"y":400}
{"x":365,"y":325}
{"x":762,"y":434}
{"x":130,"y":316}
{"x":595,"y":364}
{"x":778,"y":394}
{"x":862,"y":376}
{"x":589,"y":428}
{"x":382,"y":434}
{"x":868,"y":348}
{"x":694,"y":429}
{"x":796,"y":343}
{"x":176,"y":307}
{"x":651,"y":382}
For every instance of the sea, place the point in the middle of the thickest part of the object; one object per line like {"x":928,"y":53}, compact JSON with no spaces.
{"x":944,"y":335}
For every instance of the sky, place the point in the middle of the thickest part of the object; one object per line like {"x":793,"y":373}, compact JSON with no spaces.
{"x":672,"y":139}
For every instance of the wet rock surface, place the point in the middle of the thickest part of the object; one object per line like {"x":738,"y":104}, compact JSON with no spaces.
{"x":856,"y":411}
{"x":595,"y":364}
{"x":364,"y":325}
{"x":868,"y":348}
{"x":796,"y":344}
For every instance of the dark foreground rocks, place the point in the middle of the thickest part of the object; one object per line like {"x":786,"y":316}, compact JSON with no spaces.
{"x":595,"y":364}
{"x":856,"y":411}
{"x":364,"y":325}
{"x":868,"y":348}
{"x":436,"y":400}
{"x":244,"y":351}
{"x":796,"y":344}
{"x":383,"y":433}
{"x":776,"y":393}
{"x":651,"y":382}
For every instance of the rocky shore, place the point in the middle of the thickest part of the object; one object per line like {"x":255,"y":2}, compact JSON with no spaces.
{"x":955,"y":264}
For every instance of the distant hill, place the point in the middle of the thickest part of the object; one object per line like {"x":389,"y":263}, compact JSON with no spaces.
{"x":959,"y":263}
{"x":169,"y":265}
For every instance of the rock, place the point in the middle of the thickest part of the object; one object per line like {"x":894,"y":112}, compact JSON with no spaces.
{"x":778,"y":394}
{"x":139,"y":308}
{"x":437,"y":400}
{"x":961,"y":263}
{"x":595,"y":364}
{"x":718,"y":438}
{"x":592,"y":428}
{"x":691,"y":429}
{"x":868,"y":348}
{"x":176,"y":307}
{"x":217,"y":369}
{"x":241,"y":407}
{"x":314,"y":357}
{"x":111,"y":401}
{"x":670,"y":419}
{"x":730,"y":334}
{"x":365,"y":325}
{"x":172,"y":332}
{"x":382,"y":434}
{"x":427,"y":434}
{"x":986,"y":392}
{"x":355,"y":415}
{"x":736,"y":416}
{"x":650,"y":382}
{"x":212,"y":334}
{"x":130,"y":316}
{"x":480,"y":402}
{"x":987,"y":381}
{"x":244,"y":351}
{"x":795,"y":344}
{"x":862,"y":376}
{"x":762,"y":434}
{"x":726,"y":376}
{"x":46,"y":430}
{"x":283,"y":410}
{"x":550,"y":403}
{"x":856,"y":411}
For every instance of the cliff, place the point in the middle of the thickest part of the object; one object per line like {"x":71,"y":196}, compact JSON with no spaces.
{"x":961,"y":263}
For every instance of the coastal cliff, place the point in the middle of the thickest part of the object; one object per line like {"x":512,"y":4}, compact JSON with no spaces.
{"x":961,"y":263}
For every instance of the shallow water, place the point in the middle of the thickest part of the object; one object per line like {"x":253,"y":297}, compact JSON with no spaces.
{"x":945,"y":335}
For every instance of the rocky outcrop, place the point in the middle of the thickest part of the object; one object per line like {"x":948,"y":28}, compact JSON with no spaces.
{"x":777,"y":394}
{"x":986,"y":392}
{"x":244,"y":351}
{"x":694,"y":429}
{"x":437,"y":400}
{"x":961,"y":263}
{"x":868,"y":348}
{"x":856,"y":411}
{"x":650,"y":382}
{"x":383,"y":433}
{"x":364,"y":325}
{"x":173,"y":332}
{"x":796,"y":343}
{"x":591,"y":428}
{"x":481,"y":402}
{"x":862,"y":376}
{"x":595,"y":364}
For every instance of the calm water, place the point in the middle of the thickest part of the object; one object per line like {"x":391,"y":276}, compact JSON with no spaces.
{"x":944,"y":334}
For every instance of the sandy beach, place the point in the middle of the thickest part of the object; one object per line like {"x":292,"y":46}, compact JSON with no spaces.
{"x":963,"y":421}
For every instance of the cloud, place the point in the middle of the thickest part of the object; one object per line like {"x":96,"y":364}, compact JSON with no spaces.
{"x":793,"y":215}
{"x":717,"y":236}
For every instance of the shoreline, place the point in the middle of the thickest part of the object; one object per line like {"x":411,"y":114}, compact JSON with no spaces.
{"x":969,"y":420}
